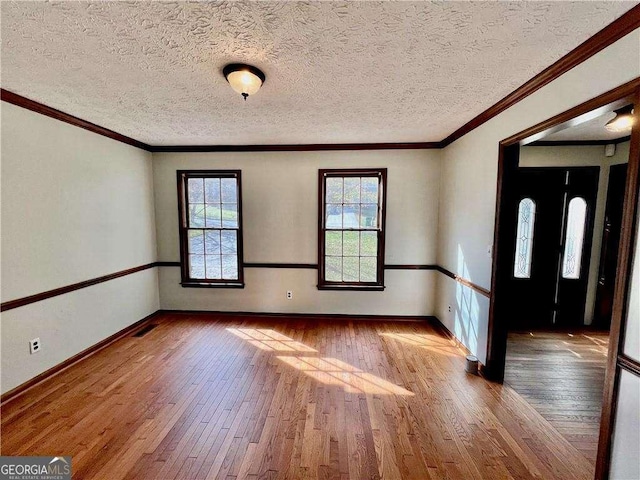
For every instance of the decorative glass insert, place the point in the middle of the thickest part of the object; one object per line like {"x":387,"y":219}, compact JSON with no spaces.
{"x":210,"y":227}
{"x":352,"y":227}
{"x":524,"y":238}
{"x":574,"y":238}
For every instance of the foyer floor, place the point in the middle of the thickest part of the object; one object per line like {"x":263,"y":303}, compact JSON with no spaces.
{"x":562,"y":376}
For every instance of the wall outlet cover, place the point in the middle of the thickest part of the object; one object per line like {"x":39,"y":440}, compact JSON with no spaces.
{"x":34,"y":345}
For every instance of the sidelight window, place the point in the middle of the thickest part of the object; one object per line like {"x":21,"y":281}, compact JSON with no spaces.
{"x":574,"y":238}
{"x":524,"y":238}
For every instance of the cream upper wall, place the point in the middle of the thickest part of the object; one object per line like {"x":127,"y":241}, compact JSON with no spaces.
{"x":280,"y":225}
{"x":470,"y":165}
{"x":573,"y":156}
{"x":75,"y":205}
{"x":280,"y":200}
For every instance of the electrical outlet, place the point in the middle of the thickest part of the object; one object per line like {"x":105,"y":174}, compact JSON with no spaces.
{"x":449,"y":308}
{"x":289,"y":294}
{"x":34,"y":345}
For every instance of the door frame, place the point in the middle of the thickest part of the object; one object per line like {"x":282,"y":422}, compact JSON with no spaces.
{"x":602,"y":267}
{"x":508,"y":160}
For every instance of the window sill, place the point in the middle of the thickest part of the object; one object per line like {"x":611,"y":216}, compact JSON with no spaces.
{"x":362,"y":288}
{"x":211,"y":285}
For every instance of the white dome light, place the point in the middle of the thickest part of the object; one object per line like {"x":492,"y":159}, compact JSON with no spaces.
{"x":244,"y":79}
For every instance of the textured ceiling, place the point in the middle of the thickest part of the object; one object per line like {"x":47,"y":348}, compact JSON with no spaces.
{"x":336,"y":72}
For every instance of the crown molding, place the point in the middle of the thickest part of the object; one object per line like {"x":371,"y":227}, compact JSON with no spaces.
{"x":601,"y":40}
{"x":304,"y":147}
{"x":42,"y":109}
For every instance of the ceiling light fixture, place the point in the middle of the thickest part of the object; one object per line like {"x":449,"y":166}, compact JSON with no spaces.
{"x":623,"y":120}
{"x":244,"y":79}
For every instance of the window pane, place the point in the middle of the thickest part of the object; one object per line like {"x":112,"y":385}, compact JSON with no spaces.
{"x":524,"y":238}
{"x":351,"y":226}
{"x":213,"y":267}
{"x":212,"y":190}
{"x":574,"y":239}
{"x":352,"y":190}
{"x":196,"y":241}
{"x":229,"y":242}
{"x":368,"y":269}
{"x":230,"y":267}
{"x":369,"y":216}
{"x":333,"y":269}
{"x":333,"y":190}
{"x":210,"y":222}
{"x":369,"y":244}
{"x":212,"y":242}
{"x":369,"y":190}
{"x":333,"y":243}
{"x":229,"y":190}
{"x":196,"y":266}
{"x":333,"y":216}
{"x":196,"y":215}
{"x":230,"y":215}
{"x":350,"y":269}
{"x":213,"y":215}
{"x":350,"y":214}
{"x":196,"y":190}
{"x":351,"y":244}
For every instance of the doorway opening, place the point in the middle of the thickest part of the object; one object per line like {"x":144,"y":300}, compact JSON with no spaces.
{"x":561,"y":194}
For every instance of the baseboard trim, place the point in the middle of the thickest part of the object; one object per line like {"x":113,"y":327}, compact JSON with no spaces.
{"x":47,"y":374}
{"x":443,"y":328}
{"x":284,"y":315}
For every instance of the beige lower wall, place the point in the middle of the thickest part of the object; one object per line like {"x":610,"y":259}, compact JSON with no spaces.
{"x":625,"y":464}
{"x":461,"y":309}
{"x":408,"y":293}
{"x":70,"y":323}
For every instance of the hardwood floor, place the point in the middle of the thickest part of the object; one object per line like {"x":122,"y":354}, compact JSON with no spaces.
{"x":562,"y":376}
{"x":234,"y":397}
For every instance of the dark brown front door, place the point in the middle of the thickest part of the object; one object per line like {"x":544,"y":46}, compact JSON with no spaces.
{"x":610,"y":246}
{"x":554,"y":230}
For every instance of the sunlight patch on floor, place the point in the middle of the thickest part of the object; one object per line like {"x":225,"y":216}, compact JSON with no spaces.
{"x":428,"y":342}
{"x":332,"y":371}
{"x":328,"y":370}
{"x":270,"y":340}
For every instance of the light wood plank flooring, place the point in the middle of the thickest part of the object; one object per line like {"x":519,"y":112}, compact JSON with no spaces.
{"x":562,"y":376}
{"x":234,"y":397}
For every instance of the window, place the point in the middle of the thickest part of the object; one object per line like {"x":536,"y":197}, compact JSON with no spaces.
{"x":524,"y":238}
{"x":574,"y":238}
{"x":210,"y":205}
{"x":351,"y":233}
